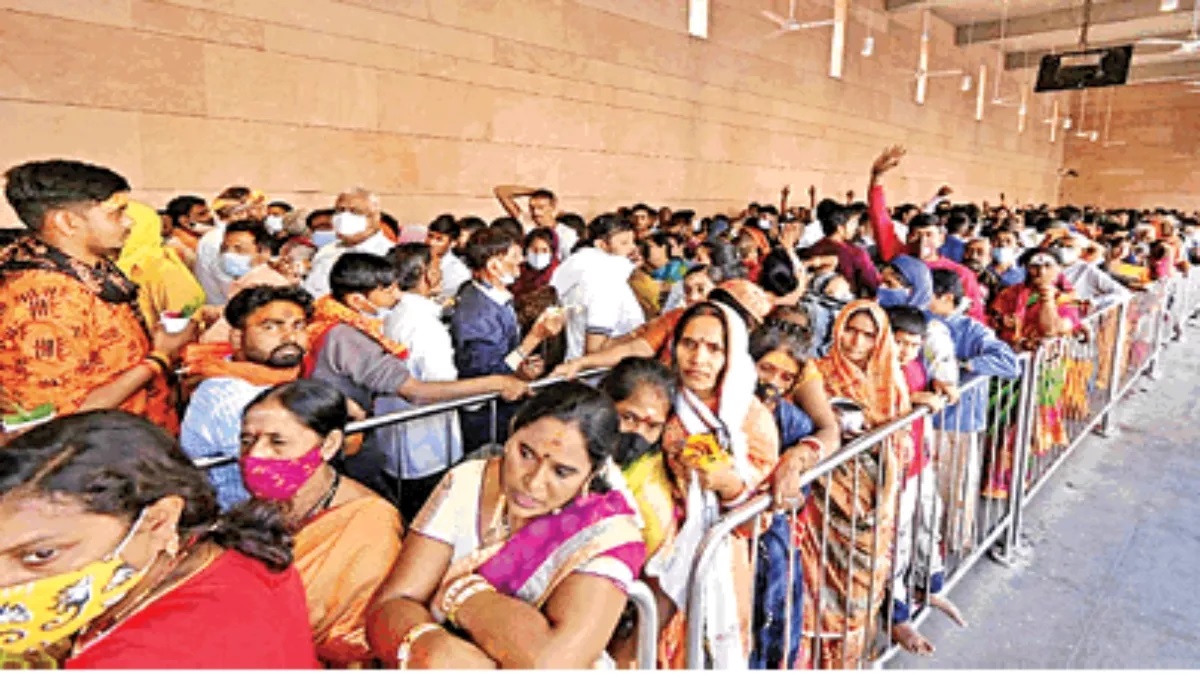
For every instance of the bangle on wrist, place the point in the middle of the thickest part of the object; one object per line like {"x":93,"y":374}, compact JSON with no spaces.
{"x":463,"y":596}
{"x":404,"y":652}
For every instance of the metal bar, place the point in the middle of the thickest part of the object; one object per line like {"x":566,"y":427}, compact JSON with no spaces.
{"x":647,"y":632}
{"x":1025,"y":411}
{"x":448,"y":406}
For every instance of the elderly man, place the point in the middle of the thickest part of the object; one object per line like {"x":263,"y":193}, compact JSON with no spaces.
{"x":356,"y":221}
{"x":1092,"y":284}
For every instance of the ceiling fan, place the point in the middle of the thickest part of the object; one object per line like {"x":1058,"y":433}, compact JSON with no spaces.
{"x":791,"y":24}
{"x":1188,"y":46}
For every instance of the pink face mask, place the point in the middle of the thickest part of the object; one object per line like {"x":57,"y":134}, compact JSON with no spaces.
{"x":279,"y":479}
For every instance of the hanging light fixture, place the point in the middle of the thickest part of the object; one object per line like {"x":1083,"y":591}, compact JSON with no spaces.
{"x":1168,"y":5}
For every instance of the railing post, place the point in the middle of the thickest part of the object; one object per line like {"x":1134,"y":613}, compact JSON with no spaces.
{"x":1026,"y":419}
{"x":1160,"y":320}
{"x":1107,"y":429}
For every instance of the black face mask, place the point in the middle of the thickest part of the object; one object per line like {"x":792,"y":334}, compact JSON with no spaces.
{"x":769,"y":394}
{"x":630,"y":447}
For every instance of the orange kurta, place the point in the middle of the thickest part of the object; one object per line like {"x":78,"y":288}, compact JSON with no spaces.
{"x":59,"y":341}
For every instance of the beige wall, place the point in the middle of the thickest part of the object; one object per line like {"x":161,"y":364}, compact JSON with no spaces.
{"x":432,"y":102}
{"x":1152,"y":157}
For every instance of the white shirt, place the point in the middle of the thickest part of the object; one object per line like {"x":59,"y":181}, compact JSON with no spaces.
{"x":454,"y":274}
{"x":423,"y":446}
{"x":317,"y":282}
{"x":594,"y":287}
{"x":212,"y":278}
{"x":567,"y":239}
{"x":812,"y":234}
{"x":1095,"y":285}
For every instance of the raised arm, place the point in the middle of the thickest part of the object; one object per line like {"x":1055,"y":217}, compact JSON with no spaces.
{"x":882,"y":229}
{"x":508,"y":194}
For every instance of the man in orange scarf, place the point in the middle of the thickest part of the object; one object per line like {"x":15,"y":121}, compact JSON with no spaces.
{"x":267,"y":345}
{"x":72,"y":337}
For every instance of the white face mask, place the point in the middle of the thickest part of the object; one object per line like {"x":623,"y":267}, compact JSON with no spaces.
{"x":274,"y":224}
{"x":348,"y":224}
{"x":507,"y":279}
{"x":1004,"y":255}
{"x":538,"y":261}
{"x":1069,"y":256}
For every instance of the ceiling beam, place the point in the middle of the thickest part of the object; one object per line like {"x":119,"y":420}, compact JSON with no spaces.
{"x":1063,"y":19}
{"x":1031,"y":58}
{"x":894,"y":5}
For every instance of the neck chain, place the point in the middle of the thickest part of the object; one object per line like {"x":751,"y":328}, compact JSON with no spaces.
{"x":325,"y":500}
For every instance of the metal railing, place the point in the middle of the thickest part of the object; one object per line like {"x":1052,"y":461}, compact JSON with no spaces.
{"x":969,"y":497}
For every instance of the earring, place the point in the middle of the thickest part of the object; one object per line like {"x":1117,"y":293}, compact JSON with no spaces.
{"x":172,"y":549}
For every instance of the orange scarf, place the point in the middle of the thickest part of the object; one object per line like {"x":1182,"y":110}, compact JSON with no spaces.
{"x":328,"y":314}
{"x":204,"y":361}
{"x":880,"y":388}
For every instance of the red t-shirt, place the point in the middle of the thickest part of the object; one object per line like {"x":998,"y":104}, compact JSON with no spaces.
{"x":233,"y":614}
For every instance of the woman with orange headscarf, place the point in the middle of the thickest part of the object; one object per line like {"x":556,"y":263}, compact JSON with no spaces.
{"x":843,"y":594}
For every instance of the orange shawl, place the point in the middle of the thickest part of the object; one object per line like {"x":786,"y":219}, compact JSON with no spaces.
{"x":880,"y":389}
{"x":329,"y":314}
{"x":343,"y":556}
{"x":204,"y":361}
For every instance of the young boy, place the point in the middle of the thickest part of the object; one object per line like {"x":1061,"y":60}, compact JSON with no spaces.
{"x":921,"y":572}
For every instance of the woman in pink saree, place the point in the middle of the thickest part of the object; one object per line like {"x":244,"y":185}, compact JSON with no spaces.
{"x":522,"y":560}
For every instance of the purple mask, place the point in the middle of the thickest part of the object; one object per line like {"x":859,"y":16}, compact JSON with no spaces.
{"x":279,"y":479}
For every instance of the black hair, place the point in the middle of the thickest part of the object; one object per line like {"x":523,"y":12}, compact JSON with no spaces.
{"x":729,"y":300}
{"x":957,"y":223}
{"x":1029,"y":254}
{"x":543,"y":193}
{"x":923,"y":220}
{"x":659,"y":239}
{"x":389,"y":222}
{"x":772,"y":337}
{"x":485,"y":245}
{"x":545,"y":234}
{"x":909,"y":320}
{"x":633,"y":372}
{"x":318,"y":213}
{"x":605,"y":226}
{"x":356,"y":272}
{"x":411,"y":261}
{"x":249,"y":300}
{"x":825,"y":208}
{"x":181,"y":207}
{"x":590,"y":409}
{"x":947,"y":281}
{"x":768,"y":208}
{"x":641,"y":207}
{"x":682,"y":217}
{"x":445,"y":224}
{"x":834,"y":219}
{"x":319,"y":406}
{"x":575,"y":222}
{"x":35,"y":188}
{"x":778,"y":275}
{"x":283,"y":205}
{"x":723,"y":254}
{"x":118,"y":464}
{"x":471,"y":224}
{"x":509,"y":226}
{"x":254,"y":228}
{"x":714,"y":273}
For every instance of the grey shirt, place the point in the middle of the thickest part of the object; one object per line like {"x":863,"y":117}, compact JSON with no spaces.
{"x":358,"y":366}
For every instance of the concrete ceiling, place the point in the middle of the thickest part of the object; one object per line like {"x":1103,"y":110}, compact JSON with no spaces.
{"x":1028,"y":29}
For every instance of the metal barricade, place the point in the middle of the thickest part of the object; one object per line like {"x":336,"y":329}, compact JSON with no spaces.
{"x":647,"y":628}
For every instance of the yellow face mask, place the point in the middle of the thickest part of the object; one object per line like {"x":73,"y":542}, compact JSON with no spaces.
{"x":39,"y":613}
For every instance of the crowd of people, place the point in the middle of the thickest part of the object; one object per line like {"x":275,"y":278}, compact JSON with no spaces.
{"x":178,"y":487}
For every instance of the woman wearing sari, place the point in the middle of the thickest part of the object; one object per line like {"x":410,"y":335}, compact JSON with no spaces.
{"x":845,"y":584}
{"x":719,"y":444}
{"x":1042,"y":308}
{"x":522,"y":560}
{"x":346,"y":537}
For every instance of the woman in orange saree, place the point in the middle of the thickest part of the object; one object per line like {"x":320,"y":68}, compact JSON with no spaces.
{"x":846,"y":551}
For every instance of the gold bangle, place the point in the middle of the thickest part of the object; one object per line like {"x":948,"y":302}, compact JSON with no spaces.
{"x":462,"y":597}
{"x":404,"y":651}
{"x":456,"y":587}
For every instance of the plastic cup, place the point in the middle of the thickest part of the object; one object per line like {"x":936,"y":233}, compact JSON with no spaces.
{"x":173,"y":323}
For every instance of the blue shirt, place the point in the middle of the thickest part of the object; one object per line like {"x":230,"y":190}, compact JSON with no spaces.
{"x":212,"y":427}
{"x":977,"y":347}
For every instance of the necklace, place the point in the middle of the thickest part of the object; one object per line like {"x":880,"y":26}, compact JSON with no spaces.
{"x":325,"y":500}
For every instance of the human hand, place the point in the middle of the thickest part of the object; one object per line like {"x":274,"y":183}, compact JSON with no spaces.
{"x":945,"y":191}
{"x":787,"y":190}
{"x":550,"y":323}
{"x":531,"y":368}
{"x":511,"y":388}
{"x":722,"y":479}
{"x":170,"y":344}
{"x":568,"y":370}
{"x":929,"y":399}
{"x":786,"y":489}
{"x":888,"y":160}
{"x":946,"y":390}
